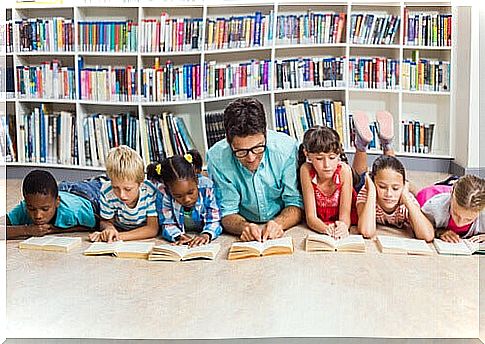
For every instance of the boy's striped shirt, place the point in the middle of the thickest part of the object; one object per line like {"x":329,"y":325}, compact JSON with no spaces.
{"x":127,"y":218}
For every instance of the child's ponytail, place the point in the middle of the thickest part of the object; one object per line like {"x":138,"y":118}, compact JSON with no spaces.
{"x":469,"y":192}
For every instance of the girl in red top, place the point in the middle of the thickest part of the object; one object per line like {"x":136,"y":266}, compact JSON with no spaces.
{"x":327,"y":183}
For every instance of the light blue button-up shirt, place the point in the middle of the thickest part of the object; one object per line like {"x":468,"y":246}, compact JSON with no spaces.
{"x":262,"y":195}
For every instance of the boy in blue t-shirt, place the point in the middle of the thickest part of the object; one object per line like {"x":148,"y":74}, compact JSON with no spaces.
{"x":46,"y":210}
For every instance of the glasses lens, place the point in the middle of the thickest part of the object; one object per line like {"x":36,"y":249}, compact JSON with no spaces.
{"x":258,"y":149}
{"x":241,"y":153}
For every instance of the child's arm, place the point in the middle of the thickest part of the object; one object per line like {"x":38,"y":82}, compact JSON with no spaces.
{"x":367,"y":210}
{"x":423,"y":229}
{"x":150,"y":230}
{"x":212,"y":219}
{"x":309,"y":201}
{"x":345,"y":201}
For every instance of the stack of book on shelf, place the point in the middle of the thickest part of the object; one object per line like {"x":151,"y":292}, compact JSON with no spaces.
{"x":311,"y":28}
{"x":310,"y":72}
{"x":374,"y":72}
{"x":429,"y":75}
{"x":295,"y":118}
{"x":239,"y":31}
{"x":109,"y":36}
{"x":322,"y":242}
{"x":214,"y":127}
{"x":51,"y":243}
{"x":168,"y":82}
{"x":50,"y":80}
{"x":37,"y":34}
{"x":373,"y":28}
{"x":251,"y":249}
{"x":417,"y":136}
{"x":462,"y":248}
{"x":167,"y":34}
{"x":102,"y":132}
{"x":8,"y":144}
{"x":121,"y":249}
{"x":427,"y":28}
{"x":47,"y":136}
{"x":176,"y":253}
{"x":396,"y":245}
{"x":167,"y":135}
{"x":236,"y":78}
{"x":107,"y":83}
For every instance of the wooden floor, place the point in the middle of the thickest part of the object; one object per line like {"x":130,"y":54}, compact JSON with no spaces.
{"x":302,"y":295}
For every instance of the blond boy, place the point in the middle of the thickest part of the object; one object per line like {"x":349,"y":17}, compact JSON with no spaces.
{"x":127,"y":204}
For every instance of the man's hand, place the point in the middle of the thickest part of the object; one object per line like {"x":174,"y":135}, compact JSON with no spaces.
{"x":251,"y":232}
{"x":272,"y":230}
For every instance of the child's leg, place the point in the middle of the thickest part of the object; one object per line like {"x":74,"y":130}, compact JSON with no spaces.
{"x":385,"y":131}
{"x":363,"y":136}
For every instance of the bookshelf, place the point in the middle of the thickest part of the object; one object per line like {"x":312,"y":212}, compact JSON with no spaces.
{"x":205,"y":50}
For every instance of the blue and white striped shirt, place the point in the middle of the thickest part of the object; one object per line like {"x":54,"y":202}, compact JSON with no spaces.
{"x":126,"y":218}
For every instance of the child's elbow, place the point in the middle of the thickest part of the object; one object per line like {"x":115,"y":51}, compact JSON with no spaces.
{"x":428,"y":237}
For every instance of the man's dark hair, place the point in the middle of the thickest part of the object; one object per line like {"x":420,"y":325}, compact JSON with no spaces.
{"x":244,"y":117}
{"x":39,"y":182}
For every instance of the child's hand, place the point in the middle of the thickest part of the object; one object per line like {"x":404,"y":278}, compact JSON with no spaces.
{"x":183,"y":239}
{"x":251,"y":232}
{"x":478,"y":238}
{"x":449,"y":236}
{"x":272,"y":230}
{"x":95,"y":236}
{"x":405,"y":194}
{"x":40,"y":230}
{"x":199,"y":240}
{"x":340,"y":230}
{"x":110,"y":234}
{"x":329,"y":229}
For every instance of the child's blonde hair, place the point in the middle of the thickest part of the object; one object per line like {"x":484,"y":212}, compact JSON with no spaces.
{"x":469,"y":192}
{"x":124,"y":163}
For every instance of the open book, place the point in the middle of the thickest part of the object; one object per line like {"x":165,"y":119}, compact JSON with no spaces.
{"x":322,"y":242}
{"x":463,"y":247}
{"x":176,"y":253}
{"x":51,"y":243}
{"x":250,"y":249}
{"x":389,"y":244}
{"x":128,"y":249}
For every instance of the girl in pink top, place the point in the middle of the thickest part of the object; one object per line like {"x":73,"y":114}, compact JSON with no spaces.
{"x":327,"y":183}
{"x":456,"y":211}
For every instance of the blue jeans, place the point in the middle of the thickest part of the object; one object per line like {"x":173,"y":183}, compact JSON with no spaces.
{"x":89,"y":189}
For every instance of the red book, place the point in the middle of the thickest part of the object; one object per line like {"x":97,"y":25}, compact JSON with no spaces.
{"x":221,"y":82}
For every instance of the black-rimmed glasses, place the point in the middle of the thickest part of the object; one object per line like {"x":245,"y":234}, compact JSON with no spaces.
{"x":242,"y":153}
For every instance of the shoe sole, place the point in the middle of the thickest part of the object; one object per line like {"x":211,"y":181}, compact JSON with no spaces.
{"x":361,"y":125}
{"x":386,"y":128}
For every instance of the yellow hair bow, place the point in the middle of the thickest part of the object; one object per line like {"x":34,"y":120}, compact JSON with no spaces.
{"x":188,"y":157}
{"x":158,"y":168}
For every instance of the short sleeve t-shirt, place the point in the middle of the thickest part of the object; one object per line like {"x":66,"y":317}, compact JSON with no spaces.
{"x":73,"y":211}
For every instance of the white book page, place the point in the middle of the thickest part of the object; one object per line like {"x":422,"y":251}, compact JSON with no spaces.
{"x":389,"y":242}
{"x":284,"y":242}
{"x":103,"y":247}
{"x":327,"y":239}
{"x":452,"y":248}
{"x":135,"y":247}
{"x":416,"y":245}
{"x":40,"y":241}
{"x":214,"y":248}
{"x":248,"y":244}
{"x":351,"y":240}
{"x":64,"y":241}
{"x":177,"y":249}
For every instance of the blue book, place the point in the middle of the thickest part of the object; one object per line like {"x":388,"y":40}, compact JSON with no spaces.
{"x":189,"y":81}
{"x":43,"y":138}
{"x":257,"y":28}
{"x":184,"y":133}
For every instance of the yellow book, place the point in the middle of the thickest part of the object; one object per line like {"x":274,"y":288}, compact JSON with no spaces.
{"x":322,"y":242}
{"x":51,"y":243}
{"x":176,"y":253}
{"x":397,"y":245}
{"x":251,"y":249}
{"x":121,"y":249}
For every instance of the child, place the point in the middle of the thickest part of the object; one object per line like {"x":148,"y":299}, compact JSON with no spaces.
{"x":127,"y":201}
{"x":326,"y":183}
{"x":385,"y":199}
{"x":456,"y":211}
{"x":187,"y":202}
{"x":47,"y":210}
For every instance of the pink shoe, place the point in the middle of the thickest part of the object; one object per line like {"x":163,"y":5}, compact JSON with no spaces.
{"x":386,"y":127}
{"x":361,"y":125}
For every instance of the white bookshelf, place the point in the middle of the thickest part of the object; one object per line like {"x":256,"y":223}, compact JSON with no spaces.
{"x":404,"y":105}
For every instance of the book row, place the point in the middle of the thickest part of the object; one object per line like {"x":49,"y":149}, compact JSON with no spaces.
{"x":417,"y":137}
{"x":110,"y":36}
{"x":56,"y":34}
{"x":240,"y":31}
{"x":373,"y":28}
{"x":171,"y":83}
{"x":6,"y":37}
{"x":311,"y":28}
{"x":310,"y":72}
{"x":374,"y":72}
{"x":426,"y":75}
{"x":214,"y":127}
{"x":251,"y":249}
{"x":236,"y":78}
{"x":50,"y":80}
{"x":170,"y":34}
{"x":427,"y":29}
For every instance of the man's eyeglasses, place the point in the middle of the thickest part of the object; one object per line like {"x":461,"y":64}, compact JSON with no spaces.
{"x":242,"y":153}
